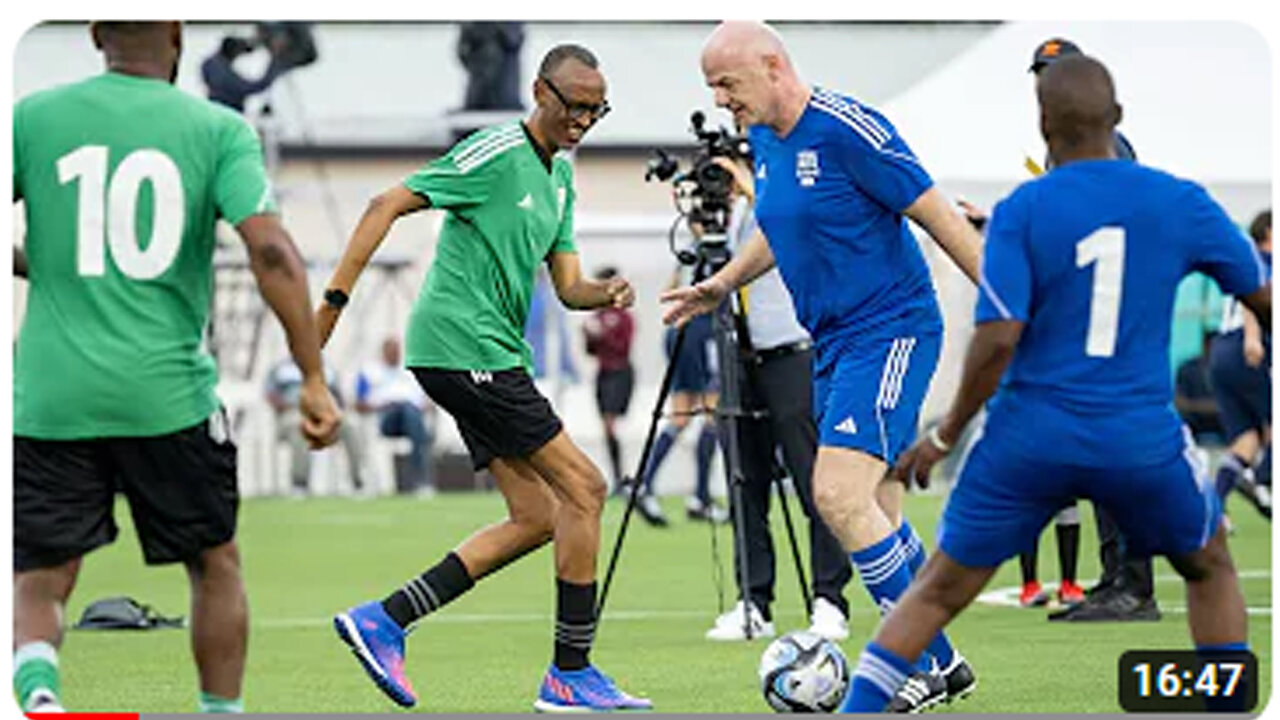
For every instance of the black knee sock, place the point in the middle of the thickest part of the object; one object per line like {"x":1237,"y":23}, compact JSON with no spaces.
{"x":575,"y":624}
{"x":1068,"y":550}
{"x":428,"y":592}
{"x":615,"y":456}
{"x":1027,"y":561}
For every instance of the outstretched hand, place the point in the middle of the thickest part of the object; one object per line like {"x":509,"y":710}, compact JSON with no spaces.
{"x":687,"y":302}
{"x":915,"y":465}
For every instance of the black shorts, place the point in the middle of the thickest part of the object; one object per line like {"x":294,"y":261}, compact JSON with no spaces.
{"x":181,"y":489}
{"x":613,"y":390}
{"x":500,"y":413}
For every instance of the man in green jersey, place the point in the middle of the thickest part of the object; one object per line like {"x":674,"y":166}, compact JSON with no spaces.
{"x":123,"y":177}
{"x":509,"y":201}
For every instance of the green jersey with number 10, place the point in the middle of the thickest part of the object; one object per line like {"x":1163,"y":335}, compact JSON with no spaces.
{"x":123,"y":179}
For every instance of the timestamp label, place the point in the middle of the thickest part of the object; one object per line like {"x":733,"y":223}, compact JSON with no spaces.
{"x":1187,"y":681}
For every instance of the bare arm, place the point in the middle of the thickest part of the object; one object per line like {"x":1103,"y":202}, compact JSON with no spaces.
{"x":282,"y":280}
{"x":372,"y":229}
{"x":582,"y":293}
{"x":951,"y":230}
{"x":1254,"y":351}
{"x":989,"y":355}
{"x":1259,"y":302}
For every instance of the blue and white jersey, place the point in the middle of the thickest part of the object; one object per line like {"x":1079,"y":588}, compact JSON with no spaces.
{"x":829,"y":197}
{"x":1089,"y":256}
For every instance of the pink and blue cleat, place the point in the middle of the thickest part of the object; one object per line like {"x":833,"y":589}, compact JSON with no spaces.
{"x":378,"y":643}
{"x":585,"y":690}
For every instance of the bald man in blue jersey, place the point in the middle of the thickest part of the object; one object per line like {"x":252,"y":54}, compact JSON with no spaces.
{"x":835,"y":185}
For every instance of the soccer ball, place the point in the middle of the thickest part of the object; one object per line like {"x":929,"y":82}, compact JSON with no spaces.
{"x":803,"y":672}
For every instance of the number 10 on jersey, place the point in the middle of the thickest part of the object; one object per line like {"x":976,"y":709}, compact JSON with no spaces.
{"x":108,"y":207}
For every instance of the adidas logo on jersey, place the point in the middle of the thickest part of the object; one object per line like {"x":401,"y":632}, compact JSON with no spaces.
{"x":526,"y":203}
{"x":848,"y":426}
{"x":761,"y":173}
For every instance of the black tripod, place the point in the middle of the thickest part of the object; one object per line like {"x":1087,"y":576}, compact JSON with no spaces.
{"x":732,"y":348}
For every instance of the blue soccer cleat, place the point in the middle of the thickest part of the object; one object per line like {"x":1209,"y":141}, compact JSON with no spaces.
{"x":378,"y":643}
{"x":585,"y":690}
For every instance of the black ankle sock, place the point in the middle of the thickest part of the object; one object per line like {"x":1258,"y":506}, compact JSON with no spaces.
{"x":615,"y":457}
{"x":1068,"y":550}
{"x":1028,"y":563}
{"x":575,"y":624}
{"x":429,"y":592}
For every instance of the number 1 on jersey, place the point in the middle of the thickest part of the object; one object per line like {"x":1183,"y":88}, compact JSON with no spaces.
{"x":1105,"y":247}
{"x":107,"y":209}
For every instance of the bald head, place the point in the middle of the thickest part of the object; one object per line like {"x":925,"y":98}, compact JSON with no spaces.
{"x":747,"y":40}
{"x":1078,"y":108}
{"x":747,"y":65}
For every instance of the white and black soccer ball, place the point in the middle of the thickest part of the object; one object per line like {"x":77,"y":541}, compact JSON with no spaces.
{"x":804,"y":672}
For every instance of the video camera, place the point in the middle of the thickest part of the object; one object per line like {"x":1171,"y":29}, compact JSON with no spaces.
{"x":703,"y":194}
{"x":292,"y":44}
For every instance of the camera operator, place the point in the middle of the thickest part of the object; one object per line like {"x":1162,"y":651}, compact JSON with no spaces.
{"x":291,"y":45}
{"x":225,"y":85}
{"x":776,"y":378}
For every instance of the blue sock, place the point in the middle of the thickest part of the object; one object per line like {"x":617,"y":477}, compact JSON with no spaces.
{"x":1236,"y":702}
{"x":661,"y":447}
{"x":1229,"y":473}
{"x":706,"y":447}
{"x":877,"y":677}
{"x":886,"y":573}
{"x":913,"y":547}
{"x":940,"y":649}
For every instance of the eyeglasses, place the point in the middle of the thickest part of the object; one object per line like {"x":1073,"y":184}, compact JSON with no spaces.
{"x":578,"y":111}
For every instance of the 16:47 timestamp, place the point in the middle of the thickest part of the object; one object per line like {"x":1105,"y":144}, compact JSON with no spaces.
{"x":1188,"y":681}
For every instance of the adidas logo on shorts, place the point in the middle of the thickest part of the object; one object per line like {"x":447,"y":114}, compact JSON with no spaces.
{"x":480,"y":377}
{"x":848,"y":426}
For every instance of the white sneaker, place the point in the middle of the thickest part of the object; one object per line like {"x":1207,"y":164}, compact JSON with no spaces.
{"x":729,"y":626}
{"x":43,"y":700}
{"x":827,"y":620}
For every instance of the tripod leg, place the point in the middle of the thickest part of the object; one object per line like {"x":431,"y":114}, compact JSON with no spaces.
{"x":642,"y":461}
{"x":795,"y":547}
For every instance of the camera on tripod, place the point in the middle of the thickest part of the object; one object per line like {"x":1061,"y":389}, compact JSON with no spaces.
{"x":704,"y":193}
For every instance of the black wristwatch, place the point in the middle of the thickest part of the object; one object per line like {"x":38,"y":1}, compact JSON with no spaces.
{"x":335,"y":298}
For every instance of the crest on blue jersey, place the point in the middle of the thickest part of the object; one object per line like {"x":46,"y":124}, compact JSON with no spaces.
{"x":807,"y":169}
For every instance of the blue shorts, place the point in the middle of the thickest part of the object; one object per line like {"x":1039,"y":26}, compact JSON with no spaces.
{"x":695,"y":369}
{"x":868,"y":398}
{"x":1002,"y":501}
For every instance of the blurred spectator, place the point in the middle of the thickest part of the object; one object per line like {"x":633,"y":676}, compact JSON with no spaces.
{"x":490,"y":53}
{"x":224,"y":84}
{"x":695,"y":390}
{"x":547,"y":316}
{"x":284,"y":384}
{"x":609,"y":332}
{"x":1240,"y":368}
{"x":1194,"y":397}
{"x":390,"y":390}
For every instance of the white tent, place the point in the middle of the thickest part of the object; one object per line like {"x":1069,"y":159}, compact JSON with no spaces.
{"x":1196,"y":98}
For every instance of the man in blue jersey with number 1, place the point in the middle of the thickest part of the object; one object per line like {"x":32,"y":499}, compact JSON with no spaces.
{"x":834,"y":186}
{"x":1079,"y":275}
